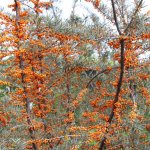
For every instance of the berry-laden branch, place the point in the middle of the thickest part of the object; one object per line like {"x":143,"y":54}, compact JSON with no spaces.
{"x":117,"y":92}
{"x":122,"y":45}
{"x":21,"y":66}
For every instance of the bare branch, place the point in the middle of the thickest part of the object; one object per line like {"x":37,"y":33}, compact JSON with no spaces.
{"x":133,"y":16}
{"x":115,"y":17}
{"x":100,"y":72}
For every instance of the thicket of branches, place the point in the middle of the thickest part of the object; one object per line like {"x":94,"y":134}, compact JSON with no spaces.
{"x":77,"y":84}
